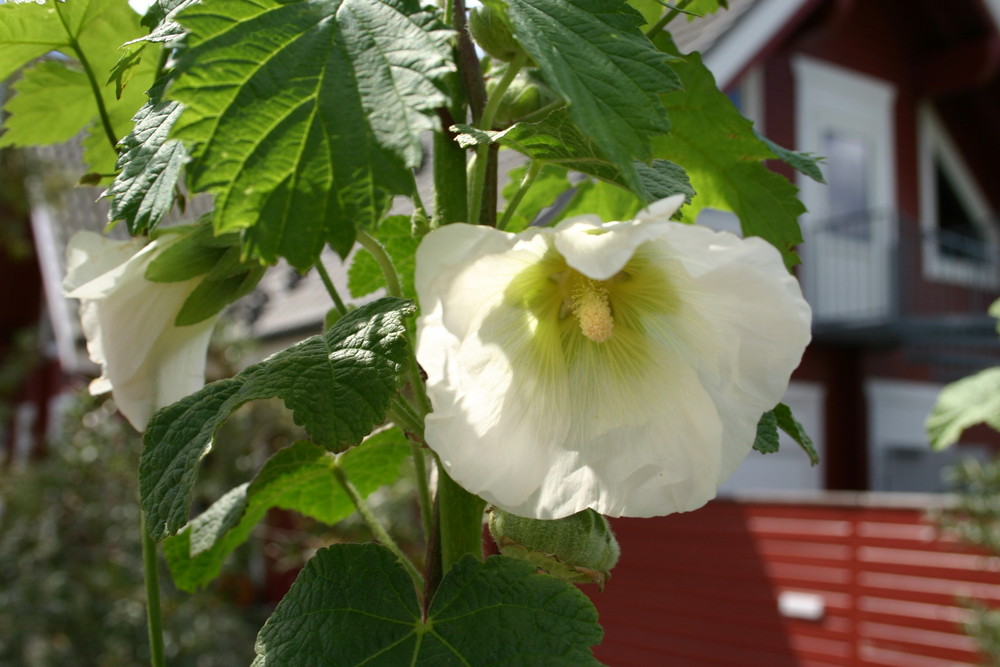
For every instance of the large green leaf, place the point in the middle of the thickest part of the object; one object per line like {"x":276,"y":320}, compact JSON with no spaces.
{"x":150,"y":166}
{"x":549,"y":184}
{"x":594,"y":56}
{"x":304,"y":118}
{"x":725,"y":160}
{"x":55,"y":99}
{"x":556,"y":140}
{"x":354,"y":604}
{"x":960,"y":405}
{"x":298,"y":478}
{"x":338,"y":386}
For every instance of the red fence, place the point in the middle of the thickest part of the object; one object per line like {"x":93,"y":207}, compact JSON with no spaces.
{"x":880,"y":583}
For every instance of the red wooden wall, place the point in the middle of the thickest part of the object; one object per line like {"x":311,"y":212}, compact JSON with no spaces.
{"x":702,"y":588}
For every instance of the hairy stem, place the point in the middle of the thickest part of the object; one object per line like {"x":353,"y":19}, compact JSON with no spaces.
{"x":378,"y":251}
{"x":479,"y":174}
{"x":331,"y":288}
{"x":667,"y":18}
{"x":460,"y":521}
{"x":526,"y":183}
{"x":95,"y":88}
{"x":151,"y":576}
{"x":378,"y":530}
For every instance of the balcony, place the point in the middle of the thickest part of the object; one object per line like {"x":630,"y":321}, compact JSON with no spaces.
{"x":876,"y":279}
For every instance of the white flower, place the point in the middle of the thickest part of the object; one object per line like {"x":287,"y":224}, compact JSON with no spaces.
{"x":621,"y":367}
{"x":146,"y":361}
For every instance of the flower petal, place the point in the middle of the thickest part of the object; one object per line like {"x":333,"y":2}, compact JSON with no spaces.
{"x":543,"y":420}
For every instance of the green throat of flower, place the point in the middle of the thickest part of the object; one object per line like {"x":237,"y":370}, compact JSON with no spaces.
{"x":567,"y":306}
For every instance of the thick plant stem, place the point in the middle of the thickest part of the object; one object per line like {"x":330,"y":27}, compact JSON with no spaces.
{"x":376,"y":527}
{"x":423,"y":488}
{"x":480,"y":171}
{"x":460,"y":521}
{"x":526,"y":183}
{"x":151,"y":575}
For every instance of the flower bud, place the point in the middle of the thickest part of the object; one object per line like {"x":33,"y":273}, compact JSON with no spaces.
{"x":493,"y":34}
{"x":580,"y":548}
{"x":520,"y":99}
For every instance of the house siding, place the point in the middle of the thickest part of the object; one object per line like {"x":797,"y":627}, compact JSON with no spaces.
{"x":702,"y":588}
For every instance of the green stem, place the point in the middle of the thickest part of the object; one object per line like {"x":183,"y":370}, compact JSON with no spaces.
{"x":403,"y":416}
{"x":378,"y":251}
{"x":376,"y":527}
{"x":460,"y":521}
{"x":151,"y":575}
{"x":95,"y":88}
{"x":526,"y":183}
{"x":423,"y":488}
{"x":331,"y":288}
{"x":667,"y":18}
{"x":478,"y":184}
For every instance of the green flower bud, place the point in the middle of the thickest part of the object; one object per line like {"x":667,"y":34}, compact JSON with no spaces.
{"x":580,"y":548}
{"x":520,"y":99}
{"x":493,"y":34}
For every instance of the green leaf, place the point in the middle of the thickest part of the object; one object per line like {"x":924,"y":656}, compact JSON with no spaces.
{"x":556,"y":140}
{"x":304,"y":118}
{"x":724,"y":160}
{"x":50,"y":107}
{"x":365,"y":276}
{"x":787,"y":423}
{"x":606,"y":201}
{"x":149,"y":166}
{"x":593,"y":55}
{"x":354,"y":604}
{"x":549,"y":184}
{"x":298,"y":478}
{"x":807,"y":163}
{"x":215,"y":293}
{"x":338,"y":386}
{"x":970,"y":401}
{"x":767,"y":441}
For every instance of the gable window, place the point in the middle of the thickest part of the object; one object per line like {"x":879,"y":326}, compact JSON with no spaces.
{"x":960,"y":234}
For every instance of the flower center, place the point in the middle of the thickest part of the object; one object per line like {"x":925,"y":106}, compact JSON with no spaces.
{"x":590,"y":305}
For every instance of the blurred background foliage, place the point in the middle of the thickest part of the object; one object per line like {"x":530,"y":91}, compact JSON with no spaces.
{"x":71,"y":587}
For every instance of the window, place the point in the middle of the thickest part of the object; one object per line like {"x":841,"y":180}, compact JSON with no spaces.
{"x":960,"y":237}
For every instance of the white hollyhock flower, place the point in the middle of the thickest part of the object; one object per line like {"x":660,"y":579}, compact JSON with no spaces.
{"x":621,"y":367}
{"x":146,"y":361}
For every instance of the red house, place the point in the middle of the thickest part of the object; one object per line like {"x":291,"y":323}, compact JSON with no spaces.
{"x":833,"y":565}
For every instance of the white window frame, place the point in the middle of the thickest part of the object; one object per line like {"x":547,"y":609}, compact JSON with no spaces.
{"x":937,"y":147}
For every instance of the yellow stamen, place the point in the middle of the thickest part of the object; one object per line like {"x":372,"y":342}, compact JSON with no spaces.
{"x":590,"y":305}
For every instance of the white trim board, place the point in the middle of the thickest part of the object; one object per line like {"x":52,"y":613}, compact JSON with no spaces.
{"x":728,"y":57}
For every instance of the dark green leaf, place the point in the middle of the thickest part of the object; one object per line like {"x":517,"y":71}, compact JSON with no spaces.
{"x":365,"y":276}
{"x":766,"y":441}
{"x":299,"y":478}
{"x":724,"y":160}
{"x":787,"y":423}
{"x":304,"y":118}
{"x":149,"y":166}
{"x":593,"y":55}
{"x":213,"y":294}
{"x":807,"y":163}
{"x":337,"y":385}
{"x":354,"y":604}
{"x":197,"y":253}
{"x":965,"y":403}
